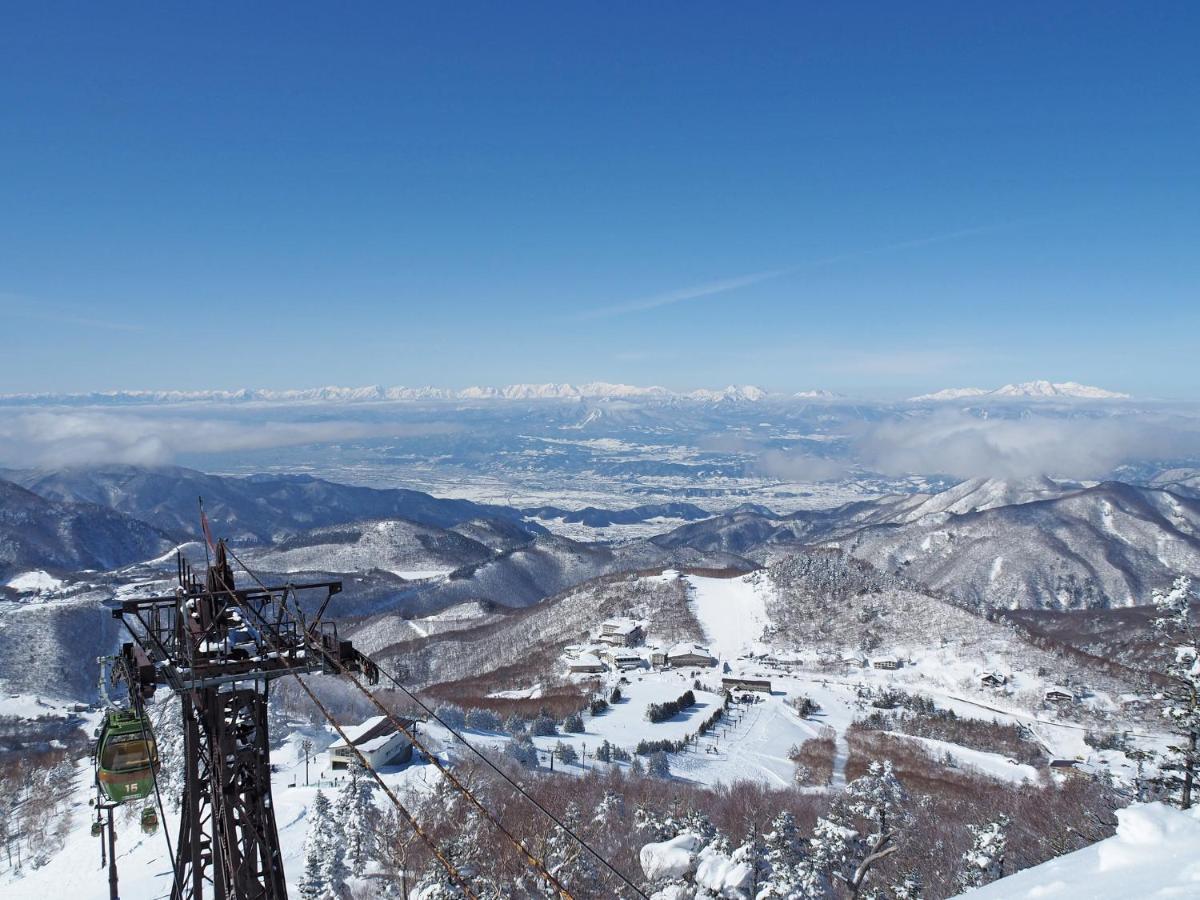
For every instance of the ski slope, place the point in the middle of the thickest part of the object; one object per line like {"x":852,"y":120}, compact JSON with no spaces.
{"x":732,"y":612}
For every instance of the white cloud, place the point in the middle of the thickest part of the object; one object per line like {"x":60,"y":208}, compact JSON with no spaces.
{"x":50,"y":438}
{"x":958,"y":444}
{"x":788,"y":466}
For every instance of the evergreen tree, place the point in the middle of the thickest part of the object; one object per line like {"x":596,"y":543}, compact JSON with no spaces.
{"x":573,"y":724}
{"x":792,"y":870}
{"x":451,"y":716}
{"x":355,"y":816}
{"x":166,"y":718}
{"x":544,"y":725}
{"x":565,"y":858}
{"x":862,"y":827}
{"x":316,"y":848}
{"x":910,"y":887}
{"x":984,"y":862}
{"x":658,"y":765}
{"x":483,"y":720}
{"x":1181,"y":696}
{"x":520,"y":749}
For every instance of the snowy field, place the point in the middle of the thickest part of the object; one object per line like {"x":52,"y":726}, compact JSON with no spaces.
{"x":143,"y":862}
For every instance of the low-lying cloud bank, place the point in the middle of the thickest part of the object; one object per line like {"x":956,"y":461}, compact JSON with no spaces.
{"x":962,"y":445}
{"x":946,"y":442}
{"x":50,"y":439}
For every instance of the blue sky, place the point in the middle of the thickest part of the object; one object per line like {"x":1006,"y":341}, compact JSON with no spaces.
{"x":876,"y":198}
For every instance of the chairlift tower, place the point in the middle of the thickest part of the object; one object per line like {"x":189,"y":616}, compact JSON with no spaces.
{"x":219,"y":647}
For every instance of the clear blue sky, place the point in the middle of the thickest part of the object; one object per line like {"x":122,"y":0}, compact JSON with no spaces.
{"x":877,"y":198}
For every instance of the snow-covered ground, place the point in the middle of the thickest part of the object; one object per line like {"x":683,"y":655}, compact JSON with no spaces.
{"x":1154,"y":854}
{"x":34,"y":582}
{"x":732,"y":612}
{"x":143,"y":864}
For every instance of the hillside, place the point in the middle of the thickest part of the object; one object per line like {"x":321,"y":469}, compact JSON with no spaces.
{"x":1027,"y":544}
{"x":403,"y":548}
{"x":38,"y":533}
{"x":1098,"y":547}
{"x":255,"y":509}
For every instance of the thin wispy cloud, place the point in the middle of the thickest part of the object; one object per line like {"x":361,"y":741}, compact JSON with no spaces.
{"x":682,"y":295}
{"x":21,"y":307}
{"x":723,"y":286}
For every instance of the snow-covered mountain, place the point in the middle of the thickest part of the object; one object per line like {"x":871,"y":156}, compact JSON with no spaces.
{"x":37,"y":533}
{"x":256,"y":509}
{"x":819,"y":394}
{"x":596,"y":390}
{"x":1024,"y":544}
{"x":1026,"y":390}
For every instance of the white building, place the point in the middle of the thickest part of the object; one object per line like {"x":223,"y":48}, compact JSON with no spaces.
{"x":621,"y":633}
{"x":379,"y":741}
{"x":622,"y":659}
{"x":587,"y":663}
{"x":682,"y":655}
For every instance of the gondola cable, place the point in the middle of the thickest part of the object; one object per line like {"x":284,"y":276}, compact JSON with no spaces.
{"x":532,"y":860}
{"x":426,"y":838}
{"x":524,"y":851}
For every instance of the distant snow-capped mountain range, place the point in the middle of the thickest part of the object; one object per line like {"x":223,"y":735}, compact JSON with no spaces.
{"x":1030,"y":390}
{"x":596,"y":390}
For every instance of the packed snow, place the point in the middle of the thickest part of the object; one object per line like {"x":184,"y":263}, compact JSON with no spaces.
{"x":34,"y":582}
{"x":1154,"y":854}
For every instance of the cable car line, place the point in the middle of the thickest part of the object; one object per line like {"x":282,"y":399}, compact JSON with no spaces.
{"x":445,"y":862}
{"x":519,"y":845}
{"x":515,"y":785}
{"x":542,"y":869}
{"x":162,"y":813}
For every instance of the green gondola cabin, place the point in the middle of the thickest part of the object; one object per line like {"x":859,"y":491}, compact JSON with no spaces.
{"x":126,"y":757}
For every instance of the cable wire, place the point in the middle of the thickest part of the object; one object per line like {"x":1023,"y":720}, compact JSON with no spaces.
{"x":162,"y":813}
{"x":445,"y":862}
{"x":530,"y":857}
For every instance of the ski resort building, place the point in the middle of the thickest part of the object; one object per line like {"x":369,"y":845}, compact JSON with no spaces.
{"x":379,"y":741}
{"x":1056,"y":694}
{"x":746,"y":684}
{"x":587,"y":663}
{"x":621,"y":633}
{"x":683,"y":655}
{"x":993,"y":679}
{"x":885,"y":662}
{"x":622,"y":659}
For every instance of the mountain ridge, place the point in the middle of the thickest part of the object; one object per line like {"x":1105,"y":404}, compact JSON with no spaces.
{"x":1026,"y":390}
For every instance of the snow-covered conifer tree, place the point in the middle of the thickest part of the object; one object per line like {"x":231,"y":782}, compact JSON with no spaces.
{"x":566,"y":753}
{"x":658,"y":765}
{"x":1181,"y":696}
{"x":565,"y":858}
{"x":167,"y":722}
{"x":316,"y":848}
{"x":984,"y":862}
{"x":520,"y":749}
{"x":355,"y":817}
{"x":910,"y":887}
{"x":862,"y":827}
